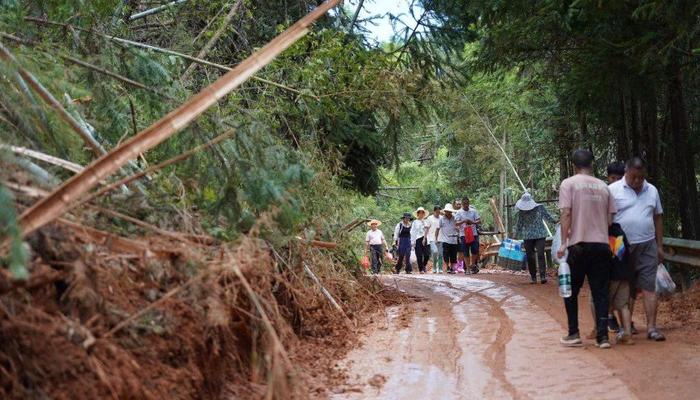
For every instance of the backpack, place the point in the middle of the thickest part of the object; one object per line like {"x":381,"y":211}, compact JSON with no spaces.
{"x":620,"y":266}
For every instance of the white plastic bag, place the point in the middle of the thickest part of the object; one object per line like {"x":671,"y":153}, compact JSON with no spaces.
{"x":556,"y":243}
{"x":413,"y":258}
{"x":664,"y":284}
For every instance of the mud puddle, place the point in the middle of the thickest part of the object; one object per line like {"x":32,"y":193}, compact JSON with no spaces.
{"x":472,"y":339}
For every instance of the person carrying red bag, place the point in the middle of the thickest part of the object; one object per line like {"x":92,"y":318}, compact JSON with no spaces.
{"x":375,"y":243}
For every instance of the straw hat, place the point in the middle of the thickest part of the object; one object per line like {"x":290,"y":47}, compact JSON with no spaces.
{"x":419,"y":209}
{"x":374,"y":221}
{"x":448,"y":207}
{"x":526,"y":203}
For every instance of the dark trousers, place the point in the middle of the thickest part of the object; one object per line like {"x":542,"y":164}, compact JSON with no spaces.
{"x":404,"y":254}
{"x":590,"y":260}
{"x":422,"y":254}
{"x":534,"y":249}
{"x":377,"y":254}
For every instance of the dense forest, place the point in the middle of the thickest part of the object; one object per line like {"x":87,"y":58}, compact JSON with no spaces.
{"x":481,"y":98}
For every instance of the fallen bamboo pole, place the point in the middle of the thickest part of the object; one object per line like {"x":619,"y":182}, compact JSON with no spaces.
{"x":155,"y":10}
{"x":195,"y":240}
{"x":318,"y":243}
{"x":325,"y":291}
{"x":68,"y":194}
{"x":215,"y":38}
{"x":172,"y":53}
{"x":53,"y":103}
{"x":92,"y":67}
{"x":515,"y":172}
{"x":70,"y":166}
{"x":183,"y":156}
{"x":115,"y":76}
{"x":151,"y":306}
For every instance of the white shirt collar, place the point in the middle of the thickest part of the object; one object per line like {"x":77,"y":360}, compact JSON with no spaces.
{"x":645,"y":185}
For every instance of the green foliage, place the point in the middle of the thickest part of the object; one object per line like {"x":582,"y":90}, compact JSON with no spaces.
{"x":9,"y":232}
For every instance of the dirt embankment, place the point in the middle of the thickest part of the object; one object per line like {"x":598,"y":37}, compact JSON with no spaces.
{"x":181,"y":320}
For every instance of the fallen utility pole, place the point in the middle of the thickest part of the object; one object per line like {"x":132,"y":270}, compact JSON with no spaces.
{"x":155,"y":10}
{"x":69,"y":193}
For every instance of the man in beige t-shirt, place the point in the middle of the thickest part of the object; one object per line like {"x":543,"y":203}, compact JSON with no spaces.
{"x":586,"y":214}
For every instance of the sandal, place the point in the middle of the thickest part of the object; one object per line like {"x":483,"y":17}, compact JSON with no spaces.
{"x":656,"y":336}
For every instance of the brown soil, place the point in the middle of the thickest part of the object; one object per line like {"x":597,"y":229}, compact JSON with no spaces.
{"x":499,"y":339}
{"x":197,"y":331}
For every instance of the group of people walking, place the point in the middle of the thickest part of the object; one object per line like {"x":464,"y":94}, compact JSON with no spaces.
{"x":449,"y":236}
{"x":610,"y":233}
{"x":613,"y":235}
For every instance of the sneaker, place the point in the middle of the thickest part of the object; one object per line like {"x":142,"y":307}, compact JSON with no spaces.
{"x":533,"y":281}
{"x":613,"y":326}
{"x":603,"y":344}
{"x":474,"y":269}
{"x":624,"y":338}
{"x":634,"y":330}
{"x":544,"y":281}
{"x":571,"y":340}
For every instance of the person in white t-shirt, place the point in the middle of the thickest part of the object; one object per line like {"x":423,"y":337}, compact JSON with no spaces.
{"x":640,"y":215}
{"x":419,"y":241}
{"x":375,"y":243}
{"x":432,"y":223}
{"x":468,"y":218}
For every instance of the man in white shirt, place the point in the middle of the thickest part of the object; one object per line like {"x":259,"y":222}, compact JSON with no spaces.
{"x":468,"y":218}
{"x":375,"y":243}
{"x":640,"y":214}
{"x":447,"y":234}
{"x":432,"y":223}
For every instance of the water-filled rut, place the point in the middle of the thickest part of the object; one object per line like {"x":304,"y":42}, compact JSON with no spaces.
{"x":472,"y":339}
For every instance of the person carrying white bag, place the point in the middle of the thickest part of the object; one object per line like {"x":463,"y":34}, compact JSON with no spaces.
{"x":640,"y":214}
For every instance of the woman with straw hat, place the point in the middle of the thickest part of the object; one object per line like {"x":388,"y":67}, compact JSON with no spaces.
{"x":530,"y":228}
{"x":419,"y":241}
{"x":375,"y":245}
{"x":402,"y":240}
{"x":447,"y":233}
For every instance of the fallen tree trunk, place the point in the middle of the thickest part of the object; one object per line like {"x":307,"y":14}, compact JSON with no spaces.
{"x":67,"y":195}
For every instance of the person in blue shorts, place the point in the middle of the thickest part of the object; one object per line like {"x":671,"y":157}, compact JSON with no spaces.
{"x":467,"y":219}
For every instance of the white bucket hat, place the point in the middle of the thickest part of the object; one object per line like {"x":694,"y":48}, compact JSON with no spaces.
{"x":448,"y":207}
{"x":419,"y":210}
{"x":526,"y":203}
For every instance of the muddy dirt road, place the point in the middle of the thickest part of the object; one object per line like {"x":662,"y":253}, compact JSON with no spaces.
{"x":492,"y":336}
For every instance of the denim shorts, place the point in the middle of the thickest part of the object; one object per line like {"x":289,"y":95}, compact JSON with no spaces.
{"x":471,"y":248}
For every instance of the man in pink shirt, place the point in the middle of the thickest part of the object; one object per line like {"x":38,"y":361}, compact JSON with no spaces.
{"x":587,"y":208}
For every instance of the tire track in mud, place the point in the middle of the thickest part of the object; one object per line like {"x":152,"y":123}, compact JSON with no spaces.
{"x":495,"y":354}
{"x":442,"y":310}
